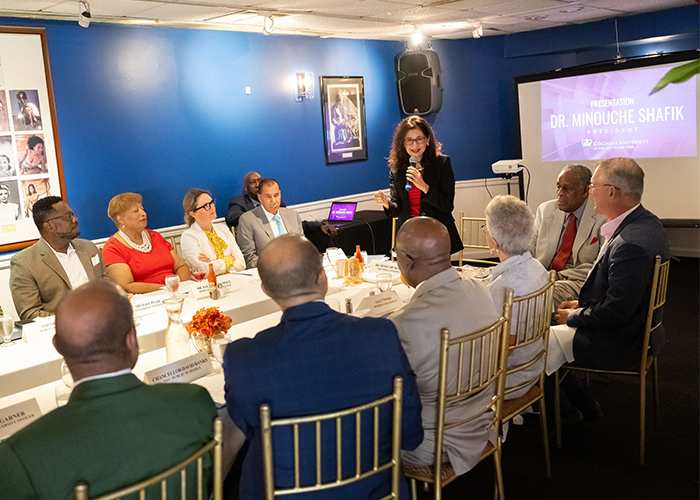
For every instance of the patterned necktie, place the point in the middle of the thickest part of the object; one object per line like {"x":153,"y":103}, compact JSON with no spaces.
{"x":567,"y":243}
{"x":280,"y":227}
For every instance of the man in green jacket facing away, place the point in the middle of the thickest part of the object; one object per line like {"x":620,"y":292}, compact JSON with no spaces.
{"x":115,"y":430}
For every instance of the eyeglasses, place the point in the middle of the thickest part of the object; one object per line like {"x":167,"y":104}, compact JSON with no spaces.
{"x":67,"y":216}
{"x":206,"y":206}
{"x":591,"y":186}
{"x":418,"y":140}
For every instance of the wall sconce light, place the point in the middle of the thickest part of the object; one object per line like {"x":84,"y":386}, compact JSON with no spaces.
{"x":478,"y":32}
{"x":305,"y":86}
{"x":84,"y":16}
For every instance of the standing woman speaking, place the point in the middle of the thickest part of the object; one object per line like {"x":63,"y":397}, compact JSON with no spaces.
{"x":421,"y":181}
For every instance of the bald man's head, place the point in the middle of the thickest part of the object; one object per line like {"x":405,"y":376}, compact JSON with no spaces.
{"x":290,"y":266}
{"x":422,"y":249}
{"x":92,"y":326}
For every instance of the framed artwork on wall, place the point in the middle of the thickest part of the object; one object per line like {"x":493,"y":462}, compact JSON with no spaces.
{"x":30,"y":154}
{"x":344,"y":127}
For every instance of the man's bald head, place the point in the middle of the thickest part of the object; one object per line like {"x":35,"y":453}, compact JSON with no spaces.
{"x":290,"y":267}
{"x":423,"y":249}
{"x":92,"y":326}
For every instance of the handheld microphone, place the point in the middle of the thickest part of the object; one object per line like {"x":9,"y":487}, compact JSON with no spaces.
{"x":412,"y":162}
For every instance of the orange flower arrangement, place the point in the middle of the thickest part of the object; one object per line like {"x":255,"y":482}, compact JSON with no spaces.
{"x":209,"y":321}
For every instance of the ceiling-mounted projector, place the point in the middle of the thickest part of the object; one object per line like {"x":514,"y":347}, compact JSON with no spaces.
{"x":504,"y":167}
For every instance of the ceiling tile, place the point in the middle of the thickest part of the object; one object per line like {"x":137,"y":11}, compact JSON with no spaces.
{"x":638,"y":5}
{"x":104,"y":7}
{"x":178,"y":12}
{"x":31,"y":5}
{"x":326,"y":23}
{"x":572,"y":14}
{"x":419,"y":14}
{"x":519,"y":7}
{"x":363,"y":8}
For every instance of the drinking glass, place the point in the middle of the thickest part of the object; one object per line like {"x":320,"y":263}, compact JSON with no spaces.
{"x":8,"y":326}
{"x":66,"y":375}
{"x":199,"y":270}
{"x":62,"y":395}
{"x":332,"y":255}
{"x":353,"y":272}
{"x":384,"y":282}
{"x":172,"y":283}
{"x":340,"y":266}
{"x":218,"y":346}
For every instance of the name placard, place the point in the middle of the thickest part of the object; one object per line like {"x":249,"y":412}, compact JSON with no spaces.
{"x":182,"y":371}
{"x":384,"y":266}
{"x":148,"y":305}
{"x":200,"y":289}
{"x":14,"y":417}
{"x":40,"y":330}
{"x":380,"y":304}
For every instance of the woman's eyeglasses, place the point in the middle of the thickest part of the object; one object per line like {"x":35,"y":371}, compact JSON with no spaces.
{"x":418,"y":140}
{"x":206,"y":206}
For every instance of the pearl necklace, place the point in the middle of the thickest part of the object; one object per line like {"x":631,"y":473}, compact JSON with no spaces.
{"x":144,"y":247}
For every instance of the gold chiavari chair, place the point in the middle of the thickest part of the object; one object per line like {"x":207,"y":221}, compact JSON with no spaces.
{"x":530,"y":320}
{"x":175,"y":242}
{"x":490,"y":345}
{"x":81,"y":490}
{"x":648,"y":361}
{"x":267,"y":424}
{"x":473,"y":236}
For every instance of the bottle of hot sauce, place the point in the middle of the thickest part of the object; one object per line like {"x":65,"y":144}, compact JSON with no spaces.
{"x":212,"y":281}
{"x":358,"y":254}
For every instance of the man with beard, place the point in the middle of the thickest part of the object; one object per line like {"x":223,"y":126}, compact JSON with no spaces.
{"x":59,"y":262}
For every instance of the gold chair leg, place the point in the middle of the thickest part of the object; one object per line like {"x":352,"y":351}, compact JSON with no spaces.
{"x":545,"y":438}
{"x":414,"y":489}
{"x":557,"y":408}
{"x":655,"y":388}
{"x":499,"y":471}
{"x":642,"y":416}
{"x":588,"y":379}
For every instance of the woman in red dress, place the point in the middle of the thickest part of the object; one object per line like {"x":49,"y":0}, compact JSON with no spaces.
{"x":137,"y":258}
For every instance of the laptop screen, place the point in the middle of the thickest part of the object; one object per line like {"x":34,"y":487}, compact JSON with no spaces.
{"x":342,"y":212}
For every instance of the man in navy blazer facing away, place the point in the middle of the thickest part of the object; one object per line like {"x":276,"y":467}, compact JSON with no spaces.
{"x":316,"y":361}
{"x":606,"y":324}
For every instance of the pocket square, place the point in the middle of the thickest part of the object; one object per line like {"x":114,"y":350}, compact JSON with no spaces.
{"x":594,"y":240}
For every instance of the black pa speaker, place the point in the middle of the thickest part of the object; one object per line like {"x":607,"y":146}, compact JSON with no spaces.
{"x":418,"y":77}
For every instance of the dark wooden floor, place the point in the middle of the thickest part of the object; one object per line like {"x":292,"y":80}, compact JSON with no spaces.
{"x":600,"y":460}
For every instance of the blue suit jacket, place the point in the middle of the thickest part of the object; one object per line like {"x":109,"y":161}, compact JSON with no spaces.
{"x":615,"y":297}
{"x":316,"y":361}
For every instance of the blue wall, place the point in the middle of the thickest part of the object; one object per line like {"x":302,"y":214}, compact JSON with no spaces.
{"x":161,"y":110}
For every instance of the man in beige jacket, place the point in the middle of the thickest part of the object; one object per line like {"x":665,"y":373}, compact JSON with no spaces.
{"x":42,"y":274}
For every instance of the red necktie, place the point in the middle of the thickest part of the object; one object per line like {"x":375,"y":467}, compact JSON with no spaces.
{"x":567,"y":243}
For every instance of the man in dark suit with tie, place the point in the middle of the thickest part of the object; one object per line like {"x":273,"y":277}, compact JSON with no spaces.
{"x":60,"y":261}
{"x":315,"y":361}
{"x":605,"y":326}
{"x":245,"y":202}
{"x":567,"y":232}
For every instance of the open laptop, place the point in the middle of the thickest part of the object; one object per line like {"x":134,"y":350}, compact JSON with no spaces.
{"x":341,"y":213}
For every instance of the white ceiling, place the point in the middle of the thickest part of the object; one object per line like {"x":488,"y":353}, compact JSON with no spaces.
{"x":365,"y":19}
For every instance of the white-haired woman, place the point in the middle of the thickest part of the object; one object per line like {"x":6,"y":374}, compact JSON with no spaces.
{"x":205,"y":241}
{"x":510,"y":225}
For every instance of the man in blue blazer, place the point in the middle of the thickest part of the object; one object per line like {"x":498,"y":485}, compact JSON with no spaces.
{"x":315,"y":361}
{"x":607,"y":322}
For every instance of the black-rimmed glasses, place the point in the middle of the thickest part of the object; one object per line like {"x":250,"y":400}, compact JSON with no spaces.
{"x":206,"y":206}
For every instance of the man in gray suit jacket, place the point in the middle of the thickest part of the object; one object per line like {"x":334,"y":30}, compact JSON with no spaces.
{"x":570,"y":251}
{"x":442,"y":300}
{"x":259,"y":226}
{"x":42,"y":274}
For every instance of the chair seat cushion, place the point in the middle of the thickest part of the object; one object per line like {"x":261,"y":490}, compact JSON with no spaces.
{"x":426,"y":473}
{"x":512,"y":405}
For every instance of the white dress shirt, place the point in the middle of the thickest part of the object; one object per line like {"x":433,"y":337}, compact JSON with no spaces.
{"x":273,"y":224}
{"x":72,"y":266}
